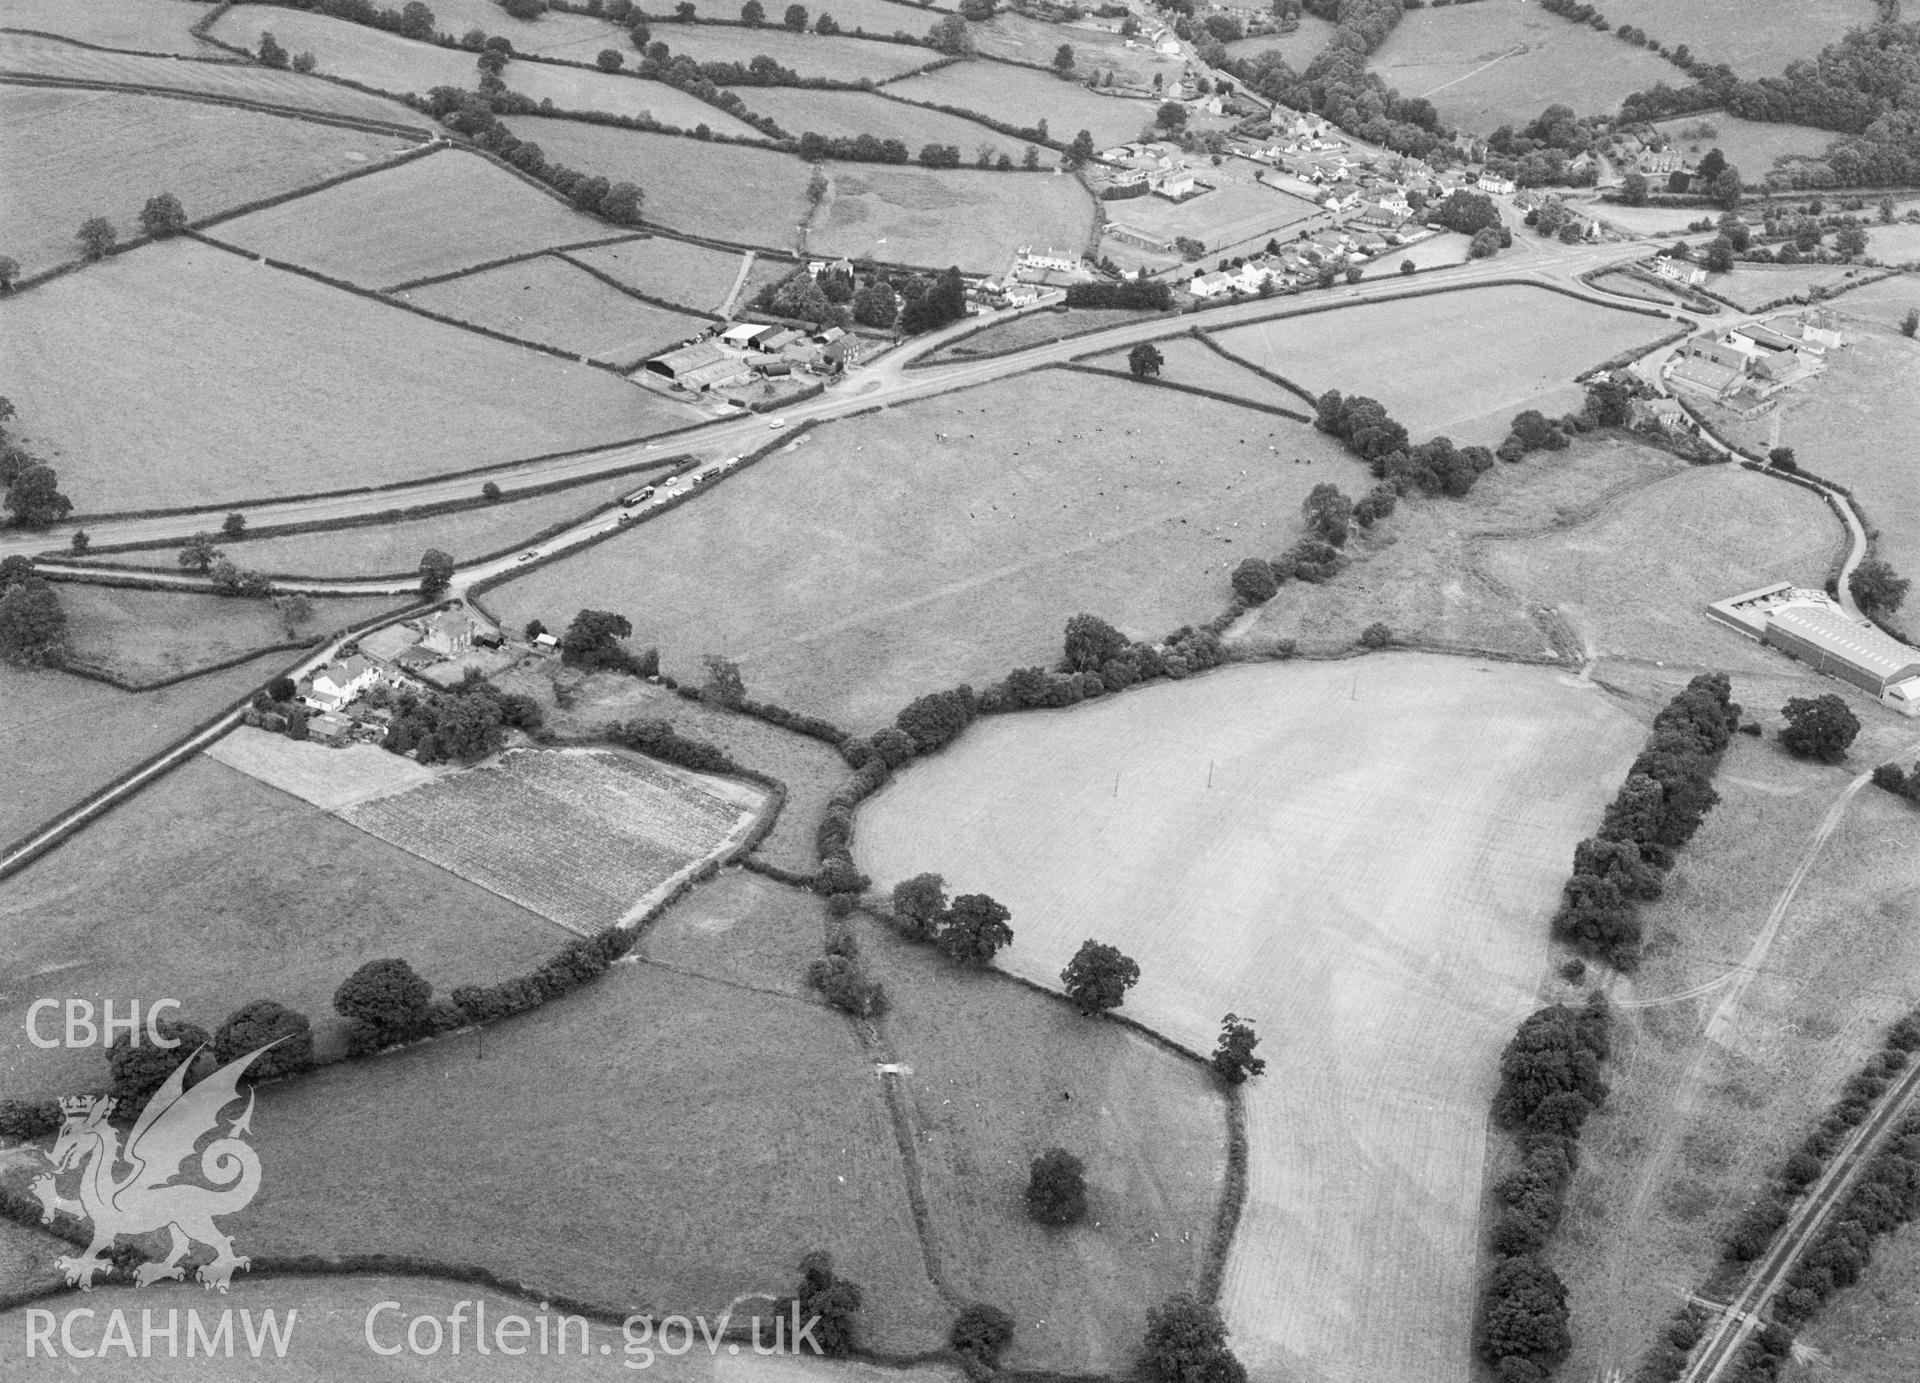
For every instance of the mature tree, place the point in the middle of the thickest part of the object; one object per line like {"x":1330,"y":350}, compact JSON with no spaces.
{"x":1187,"y":1343}
{"x":199,"y":552}
{"x":1876,"y":587}
{"x":1712,"y":166}
{"x":1407,"y":266}
{"x":1056,"y":1191}
{"x":1727,"y":189}
{"x":524,"y":9}
{"x":386,"y":999}
{"x":1354,"y":272}
{"x":1171,"y":117}
{"x":979,"y":11}
{"x":163,"y":216}
{"x":1850,"y":242}
{"x":34,"y":498}
{"x":1633,"y":191}
{"x":610,"y":60}
{"x":1098,"y":977}
{"x":1523,"y":1316}
{"x":826,"y":25}
{"x":1782,"y":459}
{"x":936,"y":719}
{"x":920,"y":903}
{"x":1910,"y":323}
{"x":282,"y":688}
{"x":1679,"y":180}
{"x":234,"y":525}
{"x":830,"y":1303}
{"x":754,"y":13}
{"x":593,"y":640}
{"x":271,"y":53}
{"x":33,"y":627}
{"x":724,"y":684}
{"x":1030,"y":158}
{"x":875,"y":305}
{"x":1466,"y":212}
{"x":139,"y":1067}
{"x":80,"y":541}
{"x":951,"y":36}
{"x":10,"y":271}
{"x":1081,"y":151}
{"x":980,"y":1332}
{"x":1329,"y":513}
{"x":973,"y":928}
{"x":97,"y":237}
{"x":795,"y":18}
{"x":1144,"y":360}
{"x":1376,"y":635}
{"x":255,"y":1026}
{"x":1719,"y":256}
{"x":1063,"y":60}
{"x":436,"y":572}
{"x":1609,"y":402}
{"x":1254,"y":581}
{"x":1233,"y":1059}
{"x":1819,"y":727}
{"x":416,"y":21}
{"x":1090,"y":642}
{"x":469,"y":726}
{"x":1485,"y":244}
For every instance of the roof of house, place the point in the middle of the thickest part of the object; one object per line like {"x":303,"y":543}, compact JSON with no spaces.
{"x":1765,"y":336}
{"x":1707,"y":374}
{"x":1827,"y":627}
{"x":345,"y":670}
{"x":452,"y":620}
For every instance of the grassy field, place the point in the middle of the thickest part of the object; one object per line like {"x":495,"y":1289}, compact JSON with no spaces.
{"x":148,"y":26}
{"x":1751,"y":286}
{"x":743,"y":929}
{"x":390,"y":548}
{"x":691,"y":275}
{"x":1489,"y":65}
{"x":1299,"y":48}
{"x":233,"y":81}
{"x":584,"y":838}
{"x":1853,"y":424}
{"x":391,"y":63}
{"x":1756,"y":38}
{"x":1897,"y":244}
{"x":973,"y":219}
{"x":331,"y":1344}
{"x":88,"y":732}
{"x":89,"y":153}
{"x":1383,"y":966}
{"x":1635,"y":287}
{"x":201,"y":364}
{"x":1869,"y":1332}
{"x":1635,"y":580}
{"x":1884,"y":302}
{"x":1150,"y":1126}
{"x":1097,"y":47}
{"x":559,"y":304}
{"x":1022,"y":98}
{"x":1230,"y":218}
{"x":950,"y":540}
{"x":810,"y":55}
{"x":143,"y":636}
{"x":811,"y":769}
{"x":1422,"y":572}
{"x":1035,"y":329}
{"x":576,"y":36}
{"x":849,"y":113}
{"x":874,"y":16}
{"x":214,"y":889}
{"x":434,"y":215}
{"x":1186,"y":361}
{"x":693,"y":1139}
{"x":1693,"y":1123}
{"x":1485,"y":355}
{"x":1750,"y":145}
{"x":731,"y":193}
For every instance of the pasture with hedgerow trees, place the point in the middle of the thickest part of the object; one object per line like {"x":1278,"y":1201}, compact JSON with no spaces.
{"x":689,"y":676}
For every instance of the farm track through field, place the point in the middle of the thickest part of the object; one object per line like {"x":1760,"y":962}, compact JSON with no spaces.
{"x":1746,"y":1312}
{"x":1679,"y":1107}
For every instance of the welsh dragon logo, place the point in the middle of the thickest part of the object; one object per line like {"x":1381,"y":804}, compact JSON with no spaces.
{"x":133,"y":1190}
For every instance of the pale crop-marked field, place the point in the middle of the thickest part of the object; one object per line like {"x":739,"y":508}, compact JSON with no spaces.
{"x":1097,"y":47}
{"x":331,"y":1343}
{"x":212,"y":380}
{"x":215,"y":889}
{"x":740,"y":195}
{"x":809,"y":55}
{"x":1483,"y":355}
{"x":973,"y":219}
{"x":1022,"y":98}
{"x":98,"y":153}
{"x":1493,"y":64}
{"x":742,"y":928}
{"x":1756,"y":38}
{"x":654,"y":1140}
{"x":950,"y":540}
{"x":1236,"y":216}
{"x":852,"y":113}
{"x":674,"y":270}
{"x":25,"y":53}
{"x":1750,"y":145}
{"x":86,"y":733}
{"x":1636,"y":580}
{"x":1752,"y":286}
{"x":388,"y":62}
{"x":329,"y":778}
{"x":1368,"y":879}
{"x":147,"y":26}
{"x":433,"y":215}
{"x":580,"y":837}
{"x":559,"y":304}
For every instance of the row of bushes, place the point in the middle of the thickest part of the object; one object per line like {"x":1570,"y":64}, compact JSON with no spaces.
{"x":1128,"y":293}
{"x":1900,"y":782}
{"x":1667,"y":793}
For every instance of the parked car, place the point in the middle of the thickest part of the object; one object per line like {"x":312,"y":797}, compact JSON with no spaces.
{"x":777,"y":423}
{"x":527,"y":556}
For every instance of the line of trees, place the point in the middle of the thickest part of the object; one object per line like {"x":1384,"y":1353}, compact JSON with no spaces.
{"x":473,"y":116}
{"x":33,"y":625}
{"x":33,"y":498}
{"x":1667,"y":793}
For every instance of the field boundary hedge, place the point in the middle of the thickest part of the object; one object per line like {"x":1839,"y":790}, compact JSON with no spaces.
{"x":932,"y":361}
{"x":216,"y":99}
{"x":1177,"y":386}
{"x":419,"y":151}
{"x":99,"y":674}
{"x":635,"y":293}
{"x":1271,"y":376}
{"x":488,"y":265}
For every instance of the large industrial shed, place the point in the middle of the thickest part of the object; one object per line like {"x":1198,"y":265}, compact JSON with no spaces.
{"x":1811,"y":626}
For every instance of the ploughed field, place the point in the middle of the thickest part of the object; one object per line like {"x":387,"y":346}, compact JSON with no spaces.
{"x":1361,"y":857}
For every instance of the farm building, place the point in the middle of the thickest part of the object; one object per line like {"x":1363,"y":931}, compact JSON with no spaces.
{"x":338,"y":683}
{"x":1812,"y":627}
{"x":676,"y":364}
{"x":449,"y":633}
{"x":1139,"y":239}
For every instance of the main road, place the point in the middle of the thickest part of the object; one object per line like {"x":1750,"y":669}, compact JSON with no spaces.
{"x":887,"y":381}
